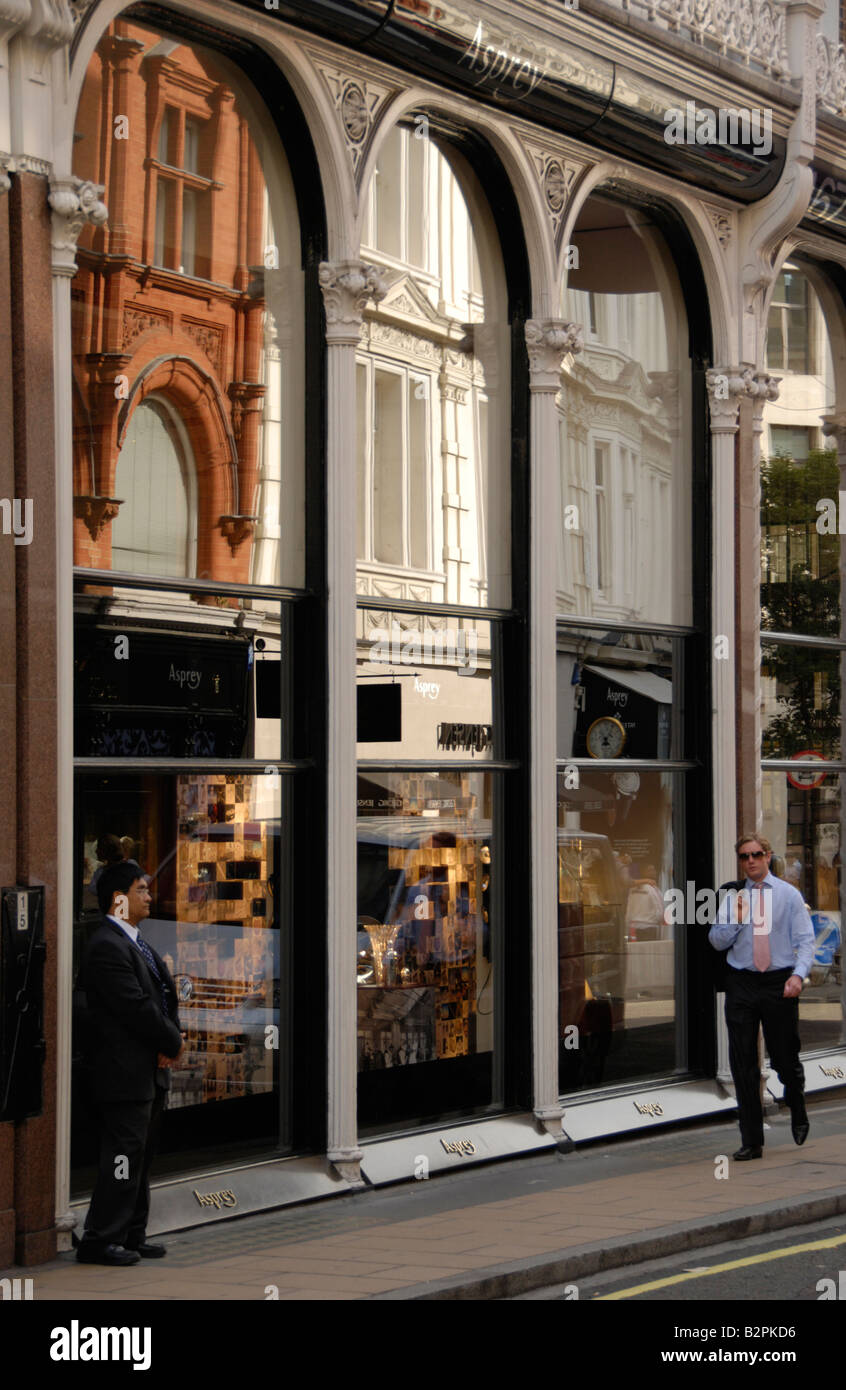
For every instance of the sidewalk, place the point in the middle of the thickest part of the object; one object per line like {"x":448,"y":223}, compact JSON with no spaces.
{"x":494,"y":1231}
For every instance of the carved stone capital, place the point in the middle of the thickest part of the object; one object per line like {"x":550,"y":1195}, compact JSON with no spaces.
{"x":74,"y":202}
{"x":548,"y":342}
{"x":51,"y":23}
{"x":96,"y":512}
{"x":7,"y":163}
{"x":236,"y":529}
{"x":728,"y":386}
{"x":347,"y":286}
{"x":13,"y":16}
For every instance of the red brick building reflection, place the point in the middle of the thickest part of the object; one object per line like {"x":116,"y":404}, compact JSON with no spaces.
{"x":169,"y":296}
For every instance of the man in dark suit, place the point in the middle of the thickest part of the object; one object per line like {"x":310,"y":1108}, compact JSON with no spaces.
{"x":133,"y":1038}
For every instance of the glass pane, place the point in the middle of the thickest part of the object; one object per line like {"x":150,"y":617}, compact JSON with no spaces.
{"x":615,"y":695}
{"x":425,"y":963}
{"x":616,"y":953}
{"x":203,"y":321}
{"x":434,"y":462}
{"x":803,"y":822}
{"x":800,"y":544}
{"x":209,"y":845}
{"x":425,"y":687}
{"x":177,"y":675}
{"x":801,"y":693}
{"x":624,"y":438}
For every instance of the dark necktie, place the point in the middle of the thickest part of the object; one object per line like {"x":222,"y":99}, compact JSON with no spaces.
{"x":154,"y":970}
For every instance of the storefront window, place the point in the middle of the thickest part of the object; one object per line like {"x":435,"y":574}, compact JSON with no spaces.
{"x":433,"y":405}
{"x":425,"y":945}
{"x":802,"y":685}
{"x":188,"y":391}
{"x":618,"y":933}
{"x":625,"y":466}
{"x":210,"y":847}
{"x":803,"y":822}
{"x":426,"y":687}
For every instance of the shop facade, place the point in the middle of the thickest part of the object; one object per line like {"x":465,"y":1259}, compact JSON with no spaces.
{"x":427,"y":568}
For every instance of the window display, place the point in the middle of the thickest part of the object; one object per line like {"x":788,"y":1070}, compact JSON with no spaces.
{"x":425,"y":952}
{"x":209,"y":845}
{"x":617,"y":944}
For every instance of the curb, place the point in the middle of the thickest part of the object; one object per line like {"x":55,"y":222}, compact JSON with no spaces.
{"x":516,"y":1277}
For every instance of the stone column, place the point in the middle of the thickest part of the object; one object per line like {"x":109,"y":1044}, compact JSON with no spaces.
{"x":736,"y":396}
{"x":74,"y":203}
{"x":548,"y":341}
{"x":347,"y":286}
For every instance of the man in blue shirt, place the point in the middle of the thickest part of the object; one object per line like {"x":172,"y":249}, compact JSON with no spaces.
{"x":767,"y":931}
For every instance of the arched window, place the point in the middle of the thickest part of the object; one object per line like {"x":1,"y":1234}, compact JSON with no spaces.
{"x":155,"y":529}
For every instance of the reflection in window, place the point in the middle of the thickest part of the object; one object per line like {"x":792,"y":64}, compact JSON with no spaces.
{"x":424,"y":944}
{"x":800,"y":558}
{"x":433,"y":422}
{"x":189,"y":202}
{"x":803,"y":822}
{"x":624,"y":547}
{"x":155,"y":479}
{"x":616,"y":944}
{"x":789,"y":327}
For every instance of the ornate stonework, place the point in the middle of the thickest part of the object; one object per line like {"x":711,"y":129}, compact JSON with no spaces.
{"x":138,"y":321}
{"x":74,"y":202}
{"x":722,"y":222}
{"x":209,"y":339}
{"x":356,"y":100}
{"x":557,"y":177}
{"x":728,"y":386}
{"x":96,"y":512}
{"x":548,"y":342}
{"x":347,"y":286}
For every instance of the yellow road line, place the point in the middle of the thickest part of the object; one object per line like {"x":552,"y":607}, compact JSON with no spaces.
{"x":720,"y":1269}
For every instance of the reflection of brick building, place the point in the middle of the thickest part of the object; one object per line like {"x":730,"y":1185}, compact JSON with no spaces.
{"x":169,"y":297}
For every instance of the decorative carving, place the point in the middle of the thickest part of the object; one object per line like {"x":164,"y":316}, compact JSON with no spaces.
{"x":137,"y":321}
{"x":548,"y":342}
{"x":79,"y":9}
{"x":237,"y":529}
{"x":722,"y":222}
{"x":834,"y":428}
{"x":7,"y":164}
{"x":347,"y":286}
{"x":74,"y":202}
{"x":831,"y":76}
{"x":209,"y":339}
{"x":727,"y":386}
{"x":356,"y":102}
{"x":96,"y":512}
{"x":51,"y":23}
{"x":751,"y":32}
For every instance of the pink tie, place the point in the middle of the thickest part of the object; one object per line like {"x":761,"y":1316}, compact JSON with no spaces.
{"x":760,"y":932}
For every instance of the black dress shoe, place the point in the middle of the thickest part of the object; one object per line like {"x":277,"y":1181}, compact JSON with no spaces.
{"x":748,"y":1151}
{"x":149,"y":1252}
{"x":800,"y":1128}
{"x":106,"y":1255}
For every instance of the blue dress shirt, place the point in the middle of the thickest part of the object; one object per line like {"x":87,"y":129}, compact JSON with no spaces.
{"x":791,"y":935}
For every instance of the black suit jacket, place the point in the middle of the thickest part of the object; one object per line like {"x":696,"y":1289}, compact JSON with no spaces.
{"x":126,"y":1026}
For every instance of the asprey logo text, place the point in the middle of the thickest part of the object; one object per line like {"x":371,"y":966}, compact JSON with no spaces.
{"x":77,"y":1343}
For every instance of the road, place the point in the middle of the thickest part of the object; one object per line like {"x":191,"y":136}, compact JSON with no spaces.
{"x":800,"y":1264}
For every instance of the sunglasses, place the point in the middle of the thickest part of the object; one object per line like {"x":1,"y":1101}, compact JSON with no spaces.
{"x":752,"y":854}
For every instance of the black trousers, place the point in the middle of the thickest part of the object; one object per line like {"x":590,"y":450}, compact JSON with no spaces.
{"x":756,"y":998}
{"x":120,"y":1205}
